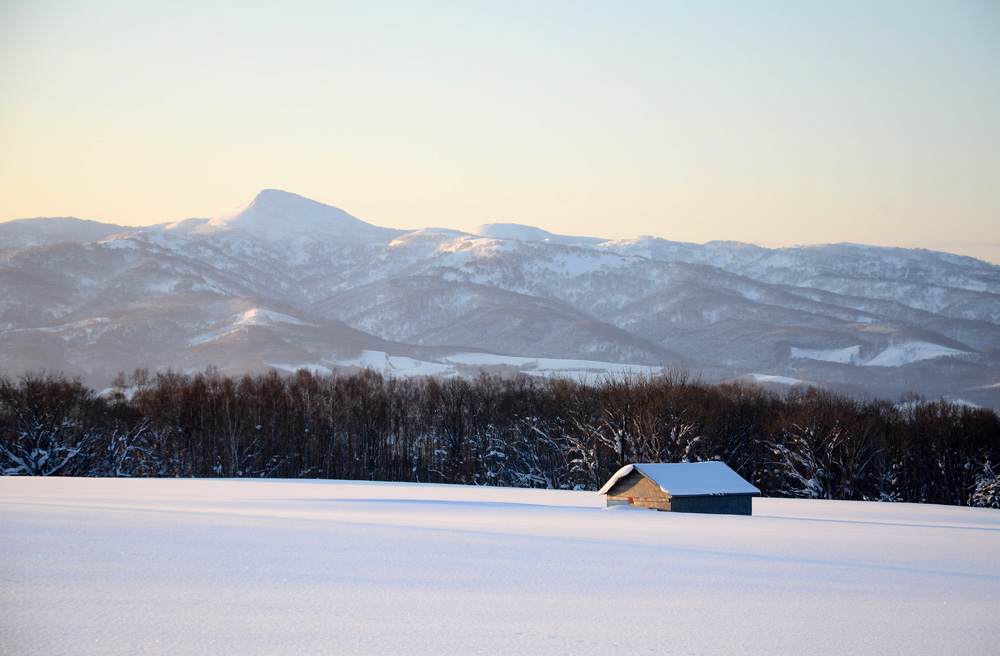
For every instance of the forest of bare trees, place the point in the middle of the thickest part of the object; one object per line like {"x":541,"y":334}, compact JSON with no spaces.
{"x":498,"y":430}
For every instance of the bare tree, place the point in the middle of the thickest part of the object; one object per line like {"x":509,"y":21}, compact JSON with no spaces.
{"x":46,"y":424}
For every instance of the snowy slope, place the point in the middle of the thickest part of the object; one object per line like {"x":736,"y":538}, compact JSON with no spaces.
{"x":530,"y":233}
{"x":145,"y":566}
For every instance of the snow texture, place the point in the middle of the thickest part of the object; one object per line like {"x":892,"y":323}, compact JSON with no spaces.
{"x":155,"y":566}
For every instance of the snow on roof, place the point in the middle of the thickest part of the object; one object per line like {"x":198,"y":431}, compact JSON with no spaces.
{"x":688,"y":478}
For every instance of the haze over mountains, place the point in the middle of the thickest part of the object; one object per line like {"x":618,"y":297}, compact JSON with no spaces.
{"x":287,"y":282}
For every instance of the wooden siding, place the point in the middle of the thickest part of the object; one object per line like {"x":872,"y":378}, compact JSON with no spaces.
{"x":637,"y":490}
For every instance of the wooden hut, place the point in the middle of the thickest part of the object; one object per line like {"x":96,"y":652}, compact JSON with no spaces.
{"x":695,"y":487}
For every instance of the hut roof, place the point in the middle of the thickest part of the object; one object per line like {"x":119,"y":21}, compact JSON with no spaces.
{"x":688,"y":479}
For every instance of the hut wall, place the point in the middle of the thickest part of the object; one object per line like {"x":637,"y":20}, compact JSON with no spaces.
{"x":719,"y":504}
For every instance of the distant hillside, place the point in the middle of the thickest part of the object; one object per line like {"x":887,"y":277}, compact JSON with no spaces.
{"x":288,"y":282}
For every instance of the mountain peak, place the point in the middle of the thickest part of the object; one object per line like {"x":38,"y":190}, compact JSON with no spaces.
{"x":276,"y":215}
{"x":281,"y":198}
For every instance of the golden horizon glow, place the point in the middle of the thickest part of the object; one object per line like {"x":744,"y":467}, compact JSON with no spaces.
{"x":783,"y":123}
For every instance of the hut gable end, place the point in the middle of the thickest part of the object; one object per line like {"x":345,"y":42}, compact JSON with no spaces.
{"x":636,"y":489}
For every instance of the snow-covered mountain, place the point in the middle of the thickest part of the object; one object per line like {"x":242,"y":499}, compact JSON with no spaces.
{"x":288,"y":282}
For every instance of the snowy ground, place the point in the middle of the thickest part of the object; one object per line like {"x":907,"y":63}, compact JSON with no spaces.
{"x":102,"y":566}
{"x":449,"y":366}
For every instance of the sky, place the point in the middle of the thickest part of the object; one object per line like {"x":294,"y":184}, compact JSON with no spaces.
{"x":777,"y":123}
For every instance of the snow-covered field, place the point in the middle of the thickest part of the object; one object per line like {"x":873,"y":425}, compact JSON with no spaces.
{"x":393,"y":365}
{"x":113,"y":566}
{"x":894,"y":356}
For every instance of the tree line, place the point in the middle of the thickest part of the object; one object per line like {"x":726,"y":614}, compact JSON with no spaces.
{"x":517,"y":431}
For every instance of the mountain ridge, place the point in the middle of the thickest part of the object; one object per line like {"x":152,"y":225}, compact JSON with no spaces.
{"x":84,"y":298}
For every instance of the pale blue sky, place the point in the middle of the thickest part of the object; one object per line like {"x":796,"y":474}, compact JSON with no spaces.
{"x":770,"y":122}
